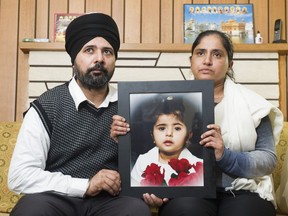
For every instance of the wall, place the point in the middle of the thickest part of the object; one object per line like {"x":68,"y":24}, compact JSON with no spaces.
{"x":257,"y":71}
{"x":140,"y":21}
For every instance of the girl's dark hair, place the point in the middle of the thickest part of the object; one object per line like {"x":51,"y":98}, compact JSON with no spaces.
{"x":170,"y":105}
{"x":226,"y":42}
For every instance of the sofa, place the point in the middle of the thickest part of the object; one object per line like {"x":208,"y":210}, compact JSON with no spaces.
{"x":8,"y":136}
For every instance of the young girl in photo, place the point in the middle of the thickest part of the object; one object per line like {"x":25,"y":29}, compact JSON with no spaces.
{"x":171,"y":138}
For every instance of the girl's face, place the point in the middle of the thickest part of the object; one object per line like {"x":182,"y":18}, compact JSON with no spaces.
{"x":210,"y":60}
{"x":170,"y":134}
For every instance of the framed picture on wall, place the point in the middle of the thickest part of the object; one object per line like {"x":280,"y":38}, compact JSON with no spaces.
{"x":237,"y":20}
{"x":61,"y":21}
{"x":161,"y":154}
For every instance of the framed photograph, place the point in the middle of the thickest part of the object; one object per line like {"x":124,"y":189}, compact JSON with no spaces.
{"x":236,"y":20}
{"x":61,"y":21}
{"x":161,"y":154}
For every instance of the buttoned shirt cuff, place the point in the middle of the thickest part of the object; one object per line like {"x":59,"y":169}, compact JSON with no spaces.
{"x":78,"y":187}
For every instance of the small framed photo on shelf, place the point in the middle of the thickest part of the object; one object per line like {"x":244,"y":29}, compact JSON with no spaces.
{"x":61,"y":21}
{"x":236,"y":20}
{"x":161,"y":154}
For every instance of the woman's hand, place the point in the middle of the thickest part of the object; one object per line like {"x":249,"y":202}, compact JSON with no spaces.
{"x":154,"y":201}
{"x":213,"y":138}
{"x":119,"y":127}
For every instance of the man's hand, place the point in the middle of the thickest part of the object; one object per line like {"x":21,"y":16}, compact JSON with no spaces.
{"x":119,"y":127}
{"x":107,"y":180}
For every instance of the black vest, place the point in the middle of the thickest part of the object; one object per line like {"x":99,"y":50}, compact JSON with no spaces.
{"x":80,"y":143}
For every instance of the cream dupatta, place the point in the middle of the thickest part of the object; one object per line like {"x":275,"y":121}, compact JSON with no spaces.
{"x":239,"y":114}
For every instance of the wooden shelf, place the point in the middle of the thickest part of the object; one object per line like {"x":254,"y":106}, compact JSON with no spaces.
{"x":282,"y":48}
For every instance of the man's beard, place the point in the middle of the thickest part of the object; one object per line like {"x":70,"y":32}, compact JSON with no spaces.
{"x":91,"y":81}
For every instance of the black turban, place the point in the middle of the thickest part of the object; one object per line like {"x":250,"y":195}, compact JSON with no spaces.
{"x":86,"y":27}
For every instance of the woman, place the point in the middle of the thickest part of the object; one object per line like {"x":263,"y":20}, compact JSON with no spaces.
{"x":244,"y":135}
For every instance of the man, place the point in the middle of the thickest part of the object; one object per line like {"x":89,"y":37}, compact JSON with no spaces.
{"x":65,"y":161}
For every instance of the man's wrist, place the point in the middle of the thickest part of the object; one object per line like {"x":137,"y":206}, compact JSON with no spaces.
{"x":88,"y":186}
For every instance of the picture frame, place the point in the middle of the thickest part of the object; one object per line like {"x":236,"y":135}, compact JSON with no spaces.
{"x":236,"y":20}
{"x":61,"y":22}
{"x":138,"y":101}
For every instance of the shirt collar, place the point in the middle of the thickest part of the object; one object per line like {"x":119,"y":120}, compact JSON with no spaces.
{"x":79,"y":97}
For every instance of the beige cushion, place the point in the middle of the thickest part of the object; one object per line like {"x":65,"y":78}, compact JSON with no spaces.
{"x":8,"y":136}
{"x":281,"y":150}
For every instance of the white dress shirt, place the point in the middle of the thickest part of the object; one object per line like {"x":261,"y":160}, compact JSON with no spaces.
{"x":27,"y":169}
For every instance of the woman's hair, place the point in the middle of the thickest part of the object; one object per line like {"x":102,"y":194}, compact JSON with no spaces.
{"x":226,"y":42}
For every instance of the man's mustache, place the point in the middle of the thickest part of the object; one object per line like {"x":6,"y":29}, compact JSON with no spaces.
{"x":98,"y":66}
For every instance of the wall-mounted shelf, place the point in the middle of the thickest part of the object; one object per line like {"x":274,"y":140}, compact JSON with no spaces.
{"x":26,"y":47}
